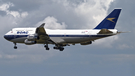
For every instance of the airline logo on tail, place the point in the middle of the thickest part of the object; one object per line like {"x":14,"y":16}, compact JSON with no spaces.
{"x":111,"y":19}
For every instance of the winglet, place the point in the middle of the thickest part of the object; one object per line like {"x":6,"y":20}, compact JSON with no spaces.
{"x":110,"y":21}
{"x":42,"y":25}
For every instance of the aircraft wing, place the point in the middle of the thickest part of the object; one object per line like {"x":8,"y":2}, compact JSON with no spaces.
{"x":40,"y":30}
{"x":42,"y":35}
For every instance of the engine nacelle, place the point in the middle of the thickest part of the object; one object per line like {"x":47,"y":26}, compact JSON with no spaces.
{"x":86,"y":43}
{"x":27,"y":42}
{"x":32,"y":37}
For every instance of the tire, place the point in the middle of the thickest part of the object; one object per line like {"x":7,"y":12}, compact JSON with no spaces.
{"x":61,"y":49}
{"x":47,"y":48}
{"x":15,"y":47}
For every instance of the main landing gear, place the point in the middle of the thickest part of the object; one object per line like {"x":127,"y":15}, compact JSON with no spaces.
{"x":56,"y":47}
{"x":59,"y":48}
{"x":46,"y":46}
{"x":15,"y":47}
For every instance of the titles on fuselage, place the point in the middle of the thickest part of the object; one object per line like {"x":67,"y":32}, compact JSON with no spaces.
{"x":22,"y":32}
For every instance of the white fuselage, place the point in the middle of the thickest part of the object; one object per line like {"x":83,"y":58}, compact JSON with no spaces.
{"x":18,"y":35}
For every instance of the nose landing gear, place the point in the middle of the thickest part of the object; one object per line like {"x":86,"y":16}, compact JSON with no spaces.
{"x":15,"y":47}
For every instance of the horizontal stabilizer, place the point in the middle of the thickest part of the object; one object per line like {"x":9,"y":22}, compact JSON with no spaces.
{"x":105,"y":31}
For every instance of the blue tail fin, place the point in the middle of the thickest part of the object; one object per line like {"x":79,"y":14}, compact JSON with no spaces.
{"x":110,"y":21}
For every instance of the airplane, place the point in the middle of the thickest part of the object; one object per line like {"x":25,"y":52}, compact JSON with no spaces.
{"x":61,"y":37}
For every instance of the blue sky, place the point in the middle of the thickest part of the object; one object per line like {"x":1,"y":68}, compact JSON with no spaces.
{"x":113,"y":56}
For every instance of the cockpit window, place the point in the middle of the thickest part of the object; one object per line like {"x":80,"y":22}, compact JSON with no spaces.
{"x":11,"y":31}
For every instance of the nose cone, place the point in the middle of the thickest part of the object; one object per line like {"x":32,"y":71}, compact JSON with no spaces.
{"x":6,"y":37}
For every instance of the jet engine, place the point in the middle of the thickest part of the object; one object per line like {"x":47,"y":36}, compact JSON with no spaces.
{"x":86,"y":43}
{"x":32,"y":37}
{"x":27,"y":42}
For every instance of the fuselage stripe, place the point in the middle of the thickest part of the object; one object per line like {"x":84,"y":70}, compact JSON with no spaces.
{"x":10,"y":37}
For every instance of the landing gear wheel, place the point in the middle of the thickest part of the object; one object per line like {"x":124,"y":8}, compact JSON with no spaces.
{"x":55,"y":48}
{"x":47,"y":48}
{"x":15,"y":47}
{"x":61,"y":49}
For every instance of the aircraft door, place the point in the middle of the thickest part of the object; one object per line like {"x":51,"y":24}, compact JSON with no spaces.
{"x":15,"y":34}
{"x":87,"y":33}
